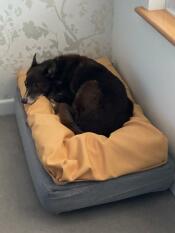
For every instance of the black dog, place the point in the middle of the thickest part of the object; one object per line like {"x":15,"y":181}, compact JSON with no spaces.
{"x":88,"y":96}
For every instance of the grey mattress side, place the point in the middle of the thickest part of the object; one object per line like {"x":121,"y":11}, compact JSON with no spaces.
{"x":71,"y":196}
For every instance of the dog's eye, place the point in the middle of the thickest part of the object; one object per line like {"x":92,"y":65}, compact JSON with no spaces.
{"x":26,"y":83}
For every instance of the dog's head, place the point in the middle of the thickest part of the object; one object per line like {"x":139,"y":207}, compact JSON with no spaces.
{"x":39,"y":80}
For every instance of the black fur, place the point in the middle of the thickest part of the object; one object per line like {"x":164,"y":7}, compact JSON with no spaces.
{"x":88,"y":96}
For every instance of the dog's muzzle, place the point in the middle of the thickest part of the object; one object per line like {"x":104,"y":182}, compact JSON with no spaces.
{"x":24,"y":100}
{"x":27,"y":99}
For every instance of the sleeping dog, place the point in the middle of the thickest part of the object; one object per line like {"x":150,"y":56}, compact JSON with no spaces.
{"x":88,"y":96}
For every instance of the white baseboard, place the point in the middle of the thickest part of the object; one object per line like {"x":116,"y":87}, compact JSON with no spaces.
{"x":7,"y":107}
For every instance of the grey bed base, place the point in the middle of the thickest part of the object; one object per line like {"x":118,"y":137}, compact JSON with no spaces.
{"x":70,"y":196}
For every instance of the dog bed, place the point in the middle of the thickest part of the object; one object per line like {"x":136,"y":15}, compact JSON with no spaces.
{"x":62,"y":197}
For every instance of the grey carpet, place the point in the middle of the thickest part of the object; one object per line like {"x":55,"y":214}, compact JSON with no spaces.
{"x":20,"y":211}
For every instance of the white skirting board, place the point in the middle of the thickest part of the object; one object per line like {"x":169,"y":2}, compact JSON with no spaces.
{"x":7,"y":107}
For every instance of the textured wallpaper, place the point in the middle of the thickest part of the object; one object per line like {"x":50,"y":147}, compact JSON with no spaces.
{"x":50,"y":28}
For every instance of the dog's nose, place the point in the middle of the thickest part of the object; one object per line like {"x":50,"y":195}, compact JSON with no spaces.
{"x":24,"y":100}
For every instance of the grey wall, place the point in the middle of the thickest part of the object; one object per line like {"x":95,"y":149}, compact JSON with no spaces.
{"x":147,"y":61}
{"x":49,"y":28}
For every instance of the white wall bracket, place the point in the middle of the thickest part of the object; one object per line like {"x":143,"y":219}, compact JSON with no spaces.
{"x":156,"y":4}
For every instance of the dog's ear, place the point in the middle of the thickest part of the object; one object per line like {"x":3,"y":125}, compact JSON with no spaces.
{"x":52,"y":70}
{"x":34,"y":62}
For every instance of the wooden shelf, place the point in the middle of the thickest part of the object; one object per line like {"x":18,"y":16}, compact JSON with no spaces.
{"x":161,"y":20}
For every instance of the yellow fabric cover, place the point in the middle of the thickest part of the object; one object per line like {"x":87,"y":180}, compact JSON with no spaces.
{"x":135,"y":147}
